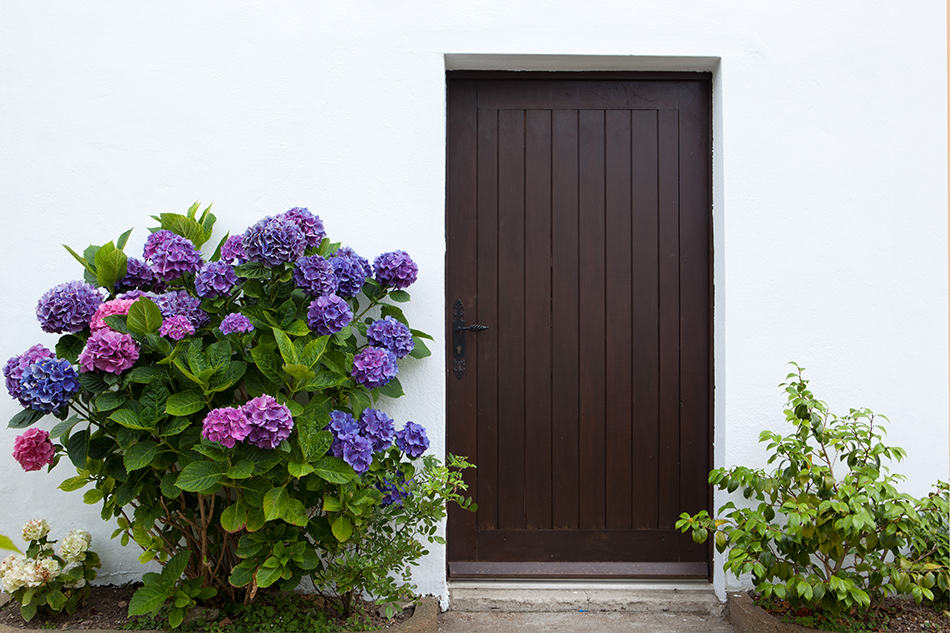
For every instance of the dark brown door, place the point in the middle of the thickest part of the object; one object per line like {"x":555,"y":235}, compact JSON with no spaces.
{"x":579,"y":232}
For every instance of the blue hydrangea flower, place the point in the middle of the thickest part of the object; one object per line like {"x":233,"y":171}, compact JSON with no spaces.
{"x":215,"y":279}
{"x":179,"y":302}
{"x":16,"y":365}
{"x":170,"y":255}
{"x":395,"y":269}
{"x":48,"y":384}
{"x":274,"y":241}
{"x":67,"y":307}
{"x":378,"y":428}
{"x":390,"y":334}
{"x":328,"y":315}
{"x":342,"y":425}
{"x":374,"y":367}
{"x":412,"y":439}
{"x":235,"y":323}
{"x":137,"y":275}
{"x":394,"y":493}
{"x":309,"y":224}
{"x":315,"y":275}
{"x":351,"y":271}
{"x":358,"y":453}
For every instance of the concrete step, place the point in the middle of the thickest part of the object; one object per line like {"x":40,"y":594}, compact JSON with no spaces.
{"x":514,"y":598}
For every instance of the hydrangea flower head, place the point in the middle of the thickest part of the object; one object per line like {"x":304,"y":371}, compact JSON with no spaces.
{"x":394,"y":492}
{"x":227,"y":426}
{"x":67,"y":307}
{"x":374,"y":367}
{"x":390,"y":334}
{"x":378,"y":428}
{"x":215,"y":279}
{"x":357,"y":452}
{"x":48,"y":384}
{"x":309,"y":224}
{"x":315,"y":276}
{"x":235,"y":323}
{"x":35,"y":529}
{"x":74,"y":545}
{"x":170,"y":255}
{"x":137,"y":275}
{"x":395,"y":269}
{"x":412,"y":439}
{"x":342,"y":425}
{"x":232,"y":251}
{"x":328,"y":314}
{"x":109,"y":308}
{"x":273,"y":241}
{"x":33,"y":449}
{"x":109,"y":351}
{"x":351,"y":271}
{"x":16,"y":365}
{"x":179,"y":302}
{"x":269,"y":420}
{"x":176,"y":327}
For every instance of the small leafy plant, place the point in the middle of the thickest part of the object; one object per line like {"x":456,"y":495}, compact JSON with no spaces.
{"x":928,"y":550}
{"x":825,"y":527}
{"x":43,"y":580}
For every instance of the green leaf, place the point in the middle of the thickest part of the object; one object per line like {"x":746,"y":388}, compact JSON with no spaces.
{"x":199,"y":476}
{"x":252,"y":270}
{"x":234,"y":517}
{"x":111,"y":265}
{"x":314,"y":350}
{"x":140,"y":455}
{"x":123,"y":239}
{"x":286,"y":313}
{"x":93,"y":495}
{"x":176,"y":616}
{"x":295,"y":513}
{"x":242,"y":574}
{"x":342,"y":528}
{"x":28,"y":610}
{"x":64,"y":427}
{"x":25,"y":418}
{"x":144,"y":316}
{"x":6,"y":543}
{"x":92,"y":382}
{"x":275,"y":502}
{"x":77,"y":448}
{"x":299,"y":469}
{"x":287,"y":350}
{"x":184,"y":226}
{"x":152,"y":402}
{"x":392,"y":389}
{"x":267,"y":576}
{"x":69,"y":347}
{"x":148,"y":599}
{"x":234,"y":373}
{"x":241,"y":470}
{"x":73,"y":483}
{"x":399,"y":295}
{"x":298,"y":371}
{"x":109,"y":400}
{"x":79,"y":258}
{"x":332,"y":504}
{"x":173,"y":426}
{"x":268,"y":364}
{"x":419,"y":348}
{"x":298,"y":328}
{"x":334,"y":470}
{"x":56,"y":600}
{"x":185,"y":403}
{"x":117,"y":322}
{"x":129,"y":419}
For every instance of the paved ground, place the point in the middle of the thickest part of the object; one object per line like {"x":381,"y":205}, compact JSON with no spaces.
{"x":571,"y":622}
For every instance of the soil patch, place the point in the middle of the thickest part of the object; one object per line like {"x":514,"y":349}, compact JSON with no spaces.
{"x":896,"y":615}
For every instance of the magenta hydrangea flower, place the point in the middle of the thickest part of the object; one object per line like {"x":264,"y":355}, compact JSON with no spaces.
{"x":358,"y":453}
{"x":48,"y":384}
{"x":176,"y":327}
{"x":378,"y":428}
{"x":170,"y":255}
{"x":412,"y":439}
{"x":395,"y":269}
{"x":374,"y":367}
{"x":270,"y":421}
{"x":232,"y":251}
{"x":309,"y":224}
{"x":137,"y":275}
{"x":235,"y":323}
{"x":33,"y":449}
{"x":109,"y":308}
{"x":215,"y":279}
{"x":179,"y":302}
{"x":109,"y":351}
{"x":315,"y":276}
{"x":390,"y":334}
{"x":351,"y":271}
{"x":274,"y":241}
{"x":227,"y":426}
{"x":16,"y":365}
{"x":67,"y":307}
{"x":328,"y":315}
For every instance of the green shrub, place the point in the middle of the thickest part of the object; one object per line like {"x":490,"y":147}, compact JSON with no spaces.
{"x":928,"y":550}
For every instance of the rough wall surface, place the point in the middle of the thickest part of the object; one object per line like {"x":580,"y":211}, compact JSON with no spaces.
{"x":830,"y":171}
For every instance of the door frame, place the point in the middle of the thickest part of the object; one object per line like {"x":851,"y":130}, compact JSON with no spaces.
{"x":608,"y":569}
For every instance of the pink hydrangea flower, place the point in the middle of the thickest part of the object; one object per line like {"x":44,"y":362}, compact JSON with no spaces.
{"x":109,"y":308}
{"x":110,"y":351}
{"x":227,"y":426}
{"x":33,"y":449}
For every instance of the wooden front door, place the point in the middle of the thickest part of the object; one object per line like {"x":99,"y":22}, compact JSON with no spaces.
{"x":579,"y":232}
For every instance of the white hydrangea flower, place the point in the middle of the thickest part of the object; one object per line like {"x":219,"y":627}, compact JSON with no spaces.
{"x":74,"y":545}
{"x":17,"y":573}
{"x":35,"y":530}
{"x":9,"y":562}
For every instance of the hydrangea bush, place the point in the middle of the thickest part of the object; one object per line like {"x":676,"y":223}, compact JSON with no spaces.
{"x":47,"y":578}
{"x":227,"y":411}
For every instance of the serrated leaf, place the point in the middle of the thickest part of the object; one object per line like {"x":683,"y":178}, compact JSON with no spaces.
{"x":298,"y":371}
{"x":184,"y":403}
{"x":275,"y":502}
{"x":69,"y":347}
{"x":110,"y":266}
{"x":63,"y":427}
{"x":129,"y":419}
{"x":234,"y":517}
{"x":242,"y":574}
{"x":241,"y":470}
{"x":109,"y":400}
{"x":252,"y":270}
{"x":144,"y":316}
{"x":267,"y":576}
{"x":295,"y":513}
{"x":25,"y":418}
{"x":140,"y":455}
{"x":77,"y":448}
{"x":334,"y":470}
{"x":287,"y":350}
{"x":268,"y":364}
{"x":314,"y":351}
{"x":299,"y":469}
{"x":199,"y":476}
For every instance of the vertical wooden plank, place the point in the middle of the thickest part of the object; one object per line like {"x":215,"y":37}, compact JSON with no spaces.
{"x":511,"y":303}
{"x":487,"y":341}
{"x":591,"y":332}
{"x":668,"y":483}
{"x":618,"y":384}
{"x":460,"y":284}
{"x":537,"y":324}
{"x":646,"y":349}
{"x":565,"y":318}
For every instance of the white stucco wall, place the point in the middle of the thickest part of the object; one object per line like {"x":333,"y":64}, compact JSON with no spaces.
{"x":830,"y":174}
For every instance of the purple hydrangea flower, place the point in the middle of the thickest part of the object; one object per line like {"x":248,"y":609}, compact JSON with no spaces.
{"x":395,"y":269}
{"x":214,"y":279}
{"x":315,"y":275}
{"x":412,"y":439}
{"x":137,"y":275}
{"x":394,"y":492}
{"x":135,"y":294}
{"x":342,"y":425}
{"x":67,"y":307}
{"x":16,"y":365}
{"x":170,"y":255}
{"x":374,"y":367}
{"x":48,"y":384}
{"x":378,"y":428}
{"x":274,"y":241}
{"x":235,"y":323}
{"x":351,"y":271}
{"x":227,"y":426}
{"x":328,"y":315}
{"x":33,"y":449}
{"x":309,"y":224}
{"x":390,"y":334}
{"x":233,"y":250}
{"x":358,"y":453}
{"x":179,"y":302}
{"x":176,"y":327}
{"x":110,"y":351}
{"x":270,"y":421}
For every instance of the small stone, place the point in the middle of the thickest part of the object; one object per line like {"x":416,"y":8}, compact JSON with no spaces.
{"x":201,"y":613}
{"x":121,"y":603}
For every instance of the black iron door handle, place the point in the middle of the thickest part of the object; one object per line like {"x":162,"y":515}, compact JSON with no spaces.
{"x":458,"y":337}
